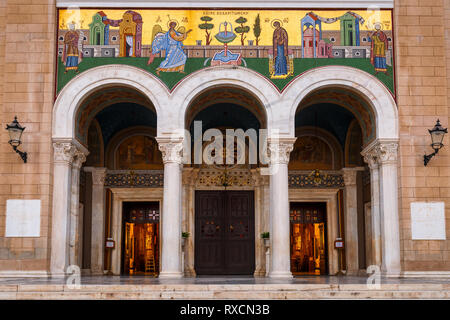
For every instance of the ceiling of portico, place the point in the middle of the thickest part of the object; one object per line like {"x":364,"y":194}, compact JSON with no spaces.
{"x":127,"y":102}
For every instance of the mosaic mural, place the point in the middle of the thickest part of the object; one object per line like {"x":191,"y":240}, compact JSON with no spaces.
{"x":174,"y":43}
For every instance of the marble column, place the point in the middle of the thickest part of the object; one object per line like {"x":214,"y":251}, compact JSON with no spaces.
{"x":375,"y":231}
{"x":75,"y":231}
{"x":189,"y":178}
{"x":387,"y":153}
{"x":63,"y":155}
{"x":280,"y":266}
{"x":98,"y":219}
{"x":171,"y":150}
{"x":259,"y":245}
{"x":351,"y":220}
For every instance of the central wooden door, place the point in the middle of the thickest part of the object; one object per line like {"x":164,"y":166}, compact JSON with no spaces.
{"x":224,"y":233}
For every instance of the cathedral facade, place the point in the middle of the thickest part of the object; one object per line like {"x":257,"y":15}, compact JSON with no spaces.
{"x":182,"y":138}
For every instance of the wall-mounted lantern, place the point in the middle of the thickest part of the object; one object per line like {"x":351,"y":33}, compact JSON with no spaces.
{"x":15,"y":131}
{"x":437,"y":135}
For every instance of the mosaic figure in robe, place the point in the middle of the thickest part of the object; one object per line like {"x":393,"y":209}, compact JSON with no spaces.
{"x":379,"y":46}
{"x":172,"y":43}
{"x":72,"y":55}
{"x":280,"y":50}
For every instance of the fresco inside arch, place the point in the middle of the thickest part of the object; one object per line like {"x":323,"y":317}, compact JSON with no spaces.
{"x":278,"y":44}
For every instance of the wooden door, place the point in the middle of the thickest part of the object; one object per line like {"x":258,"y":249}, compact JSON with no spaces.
{"x":224,"y":232}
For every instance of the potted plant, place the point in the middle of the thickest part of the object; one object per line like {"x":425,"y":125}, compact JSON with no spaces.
{"x":266,"y":237}
{"x":184,"y":236}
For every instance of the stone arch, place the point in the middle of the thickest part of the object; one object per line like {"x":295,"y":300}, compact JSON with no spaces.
{"x":73,"y":94}
{"x":241,"y":78}
{"x":365,"y":85}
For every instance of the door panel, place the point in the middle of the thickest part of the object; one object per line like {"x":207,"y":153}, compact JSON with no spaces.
{"x":209,"y":224}
{"x":224,"y":232}
{"x":240,"y":252}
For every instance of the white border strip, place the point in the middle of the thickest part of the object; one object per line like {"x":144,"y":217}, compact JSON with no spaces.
{"x":425,"y":274}
{"x":257,"y":4}
{"x":24,"y":274}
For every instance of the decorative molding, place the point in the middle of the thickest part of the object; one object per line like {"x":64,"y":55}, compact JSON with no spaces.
{"x":212,"y":177}
{"x":382,"y":4}
{"x":135,"y":179}
{"x":324,"y":179}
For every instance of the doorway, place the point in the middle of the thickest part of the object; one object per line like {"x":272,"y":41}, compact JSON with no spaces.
{"x":224,"y":233}
{"x":140,"y":238}
{"x":308,"y":238}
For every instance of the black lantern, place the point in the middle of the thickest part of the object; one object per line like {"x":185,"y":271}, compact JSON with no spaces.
{"x":437,"y":135}
{"x":15,"y":131}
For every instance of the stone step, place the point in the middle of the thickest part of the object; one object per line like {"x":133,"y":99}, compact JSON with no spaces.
{"x":225,"y":291}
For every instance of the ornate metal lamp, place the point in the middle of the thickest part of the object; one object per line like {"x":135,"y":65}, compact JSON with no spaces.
{"x":437,"y":135}
{"x":15,"y":131}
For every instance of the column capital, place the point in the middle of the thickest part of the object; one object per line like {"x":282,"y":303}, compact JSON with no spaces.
{"x":371,"y":158}
{"x":80,"y":158}
{"x":172,"y":152}
{"x":381,"y":152}
{"x":98,"y":175}
{"x":64,"y":152}
{"x":349,"y":175}
{"x":279,"y":149}
{"x":387,"y":153}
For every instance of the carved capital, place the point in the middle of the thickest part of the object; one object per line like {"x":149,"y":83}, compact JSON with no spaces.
{"x":279,"y":151}
{"x":387,"y":153}
{"x":371,"y":158}
{"x":64,"y":152}
{"x":79,"y":159}
{"x":172,"y":152}
{"x":349,"y":176}
{"x":98,"y":176}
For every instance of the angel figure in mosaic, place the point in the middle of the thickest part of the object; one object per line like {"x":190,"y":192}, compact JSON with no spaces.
{"x":172,"y":43}
{"x":72,"y":52}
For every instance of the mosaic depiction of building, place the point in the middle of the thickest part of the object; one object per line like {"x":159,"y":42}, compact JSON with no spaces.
{"x":174,"y":43}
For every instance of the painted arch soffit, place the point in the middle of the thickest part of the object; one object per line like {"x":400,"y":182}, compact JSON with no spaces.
{"x":173,"y":43}
{"x":348,"y":100}
{"x":102,"y":99}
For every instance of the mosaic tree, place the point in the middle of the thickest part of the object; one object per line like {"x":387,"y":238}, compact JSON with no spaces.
{"x":206,"y":26}
{"x":257,"y":29}
{"x":242,"y":29}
